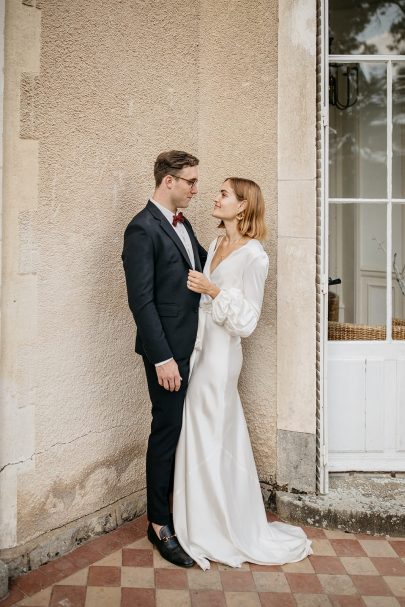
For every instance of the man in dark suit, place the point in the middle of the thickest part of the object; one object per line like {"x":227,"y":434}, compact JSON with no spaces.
{"x":160,"y":248}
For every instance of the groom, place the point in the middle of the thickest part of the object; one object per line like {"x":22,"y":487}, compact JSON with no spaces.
{"x":160,"y":248}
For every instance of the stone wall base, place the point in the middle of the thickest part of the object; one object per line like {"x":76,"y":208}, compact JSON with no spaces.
{"x":356,"y":503}
{"x":62,"y":540}
{"x":3,"y":579}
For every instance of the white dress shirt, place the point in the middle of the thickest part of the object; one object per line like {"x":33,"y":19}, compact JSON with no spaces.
{"x":180,"y":229}
{"x":185,"y":239}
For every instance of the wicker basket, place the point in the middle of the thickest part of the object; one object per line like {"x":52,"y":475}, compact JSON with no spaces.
{"x":346,"y":331}
{"x":333,"y":306}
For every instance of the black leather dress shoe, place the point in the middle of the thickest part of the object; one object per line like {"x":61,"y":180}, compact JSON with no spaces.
{"x":169,"y":547}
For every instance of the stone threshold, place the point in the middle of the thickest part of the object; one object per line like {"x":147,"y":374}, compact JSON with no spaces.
{"x":356,"y":503}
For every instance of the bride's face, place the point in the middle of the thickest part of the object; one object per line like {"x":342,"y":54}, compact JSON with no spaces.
{"x":227,"y":206}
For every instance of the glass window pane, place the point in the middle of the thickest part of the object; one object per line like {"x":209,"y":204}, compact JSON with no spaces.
{"x":369,"y":27}
{"x":357,"y":257}
{"x":357,"y":131}
{"x":398,"y":274}
{"x":398,"y":130}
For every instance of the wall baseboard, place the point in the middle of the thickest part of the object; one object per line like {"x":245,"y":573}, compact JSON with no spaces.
{"x":62,"y":540}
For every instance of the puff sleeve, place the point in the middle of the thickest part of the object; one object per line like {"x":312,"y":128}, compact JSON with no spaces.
{"x":239,"y":310}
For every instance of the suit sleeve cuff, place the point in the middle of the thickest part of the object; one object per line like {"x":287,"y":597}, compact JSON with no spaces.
{"x":163,"y":362}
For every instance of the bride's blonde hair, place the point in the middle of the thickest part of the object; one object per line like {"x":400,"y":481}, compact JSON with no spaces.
{"x":251,"y":219}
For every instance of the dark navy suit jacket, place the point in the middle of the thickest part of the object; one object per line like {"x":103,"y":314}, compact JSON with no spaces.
{"x":156,"y":266}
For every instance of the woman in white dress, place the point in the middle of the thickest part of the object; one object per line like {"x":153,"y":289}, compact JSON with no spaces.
{"x":218,"y":508}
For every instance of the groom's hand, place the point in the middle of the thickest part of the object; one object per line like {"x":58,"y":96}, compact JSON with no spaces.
{"x":169,"y":376}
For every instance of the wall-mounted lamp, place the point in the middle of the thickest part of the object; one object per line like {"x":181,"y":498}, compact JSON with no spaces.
{"x":343,"y":85}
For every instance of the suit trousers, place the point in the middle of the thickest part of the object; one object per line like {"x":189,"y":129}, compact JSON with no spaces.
{"x":167,"y":417}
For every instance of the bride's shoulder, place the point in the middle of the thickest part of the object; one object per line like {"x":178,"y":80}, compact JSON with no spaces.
{"x":256,"y":257}
{"x":257,"y":249}
{"x":214,"y":242}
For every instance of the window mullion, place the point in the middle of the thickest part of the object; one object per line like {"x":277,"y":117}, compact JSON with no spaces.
{"x":389,"y":205}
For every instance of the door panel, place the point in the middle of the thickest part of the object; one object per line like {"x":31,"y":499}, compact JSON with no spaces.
{"x":400,"y":421}
{"x":374,"y":422}
{"x":346,"y":398}
{"x":366,"y":398}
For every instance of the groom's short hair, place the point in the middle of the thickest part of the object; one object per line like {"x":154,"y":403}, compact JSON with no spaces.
{"x":170,"y":163}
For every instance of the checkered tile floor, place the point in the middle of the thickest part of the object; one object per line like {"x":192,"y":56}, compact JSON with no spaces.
{"x":122,"y":570}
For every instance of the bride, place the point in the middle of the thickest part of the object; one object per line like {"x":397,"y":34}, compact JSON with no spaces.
{"x":218,"y":510}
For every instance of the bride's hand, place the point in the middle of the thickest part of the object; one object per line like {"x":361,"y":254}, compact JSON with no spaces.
{"x":199,"y":283}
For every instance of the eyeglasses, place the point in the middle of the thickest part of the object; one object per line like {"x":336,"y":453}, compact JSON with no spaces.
{"x":191,"y":182}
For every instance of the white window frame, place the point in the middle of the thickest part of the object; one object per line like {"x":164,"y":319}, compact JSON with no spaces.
{"x":326,"y":59}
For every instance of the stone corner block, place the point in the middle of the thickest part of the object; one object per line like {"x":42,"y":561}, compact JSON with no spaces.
{"x":296,"y":461}
{"x":3,"y":579}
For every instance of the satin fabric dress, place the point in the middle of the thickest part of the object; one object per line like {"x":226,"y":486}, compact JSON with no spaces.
{"x":218,"y":508}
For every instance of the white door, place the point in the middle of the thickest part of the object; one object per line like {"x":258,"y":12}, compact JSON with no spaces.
{"x":365,"y":214}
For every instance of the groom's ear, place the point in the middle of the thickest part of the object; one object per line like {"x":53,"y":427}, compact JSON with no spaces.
{"x":168,"y":180}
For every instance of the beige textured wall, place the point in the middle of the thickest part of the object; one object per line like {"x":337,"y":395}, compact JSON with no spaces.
{"x":118,"y":82}
{"x":238,"y":135}
{"x":296,"y":271}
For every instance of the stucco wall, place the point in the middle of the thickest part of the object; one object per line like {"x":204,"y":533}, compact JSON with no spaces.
{"x":296,"y":245}
{"x":95,"y":91}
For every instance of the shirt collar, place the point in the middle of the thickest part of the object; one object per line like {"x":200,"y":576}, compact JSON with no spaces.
{"x":166,"y":212}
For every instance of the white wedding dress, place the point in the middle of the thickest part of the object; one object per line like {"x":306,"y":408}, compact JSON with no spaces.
{"x":218,"y":507}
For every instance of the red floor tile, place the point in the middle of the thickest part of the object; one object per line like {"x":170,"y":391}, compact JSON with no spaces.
{"x":140,"y":522}
{"x":399,"y":547}
{"x":137,"y":558}
{"x":237,"y":581}
{"x":84,"y":555}
{"x":276,"y":599}
{"x":173,"y":579}
{"x":271,"y":517}
{"x":389,"y":565}
{"x":346,"y":601}
{"x":306,"y":586}
{"x":138,"y":597}
{"x":106,"y":544}
{"x":71,"y":596}
{"x":104,"y":576}
{"x":57,"y":570}
{"x":207,"y":598}
{"x":63,"y":564}
{"x":315,"y":533}
{"x":348,"y":548}
{"x":372,"y":585}
{"x":130,"y":532}
{"x":31,"y":582}
{"x":13,"y":597}
{"x":304,"y":582}
{"x":327,"y":564}
{"x":268,"y":568}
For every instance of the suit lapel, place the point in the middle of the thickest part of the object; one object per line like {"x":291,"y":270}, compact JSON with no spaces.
{"x":165,"y":225}
{"x":193,"y":240}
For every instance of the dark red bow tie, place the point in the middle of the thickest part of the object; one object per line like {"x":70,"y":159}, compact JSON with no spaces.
{"x":179,"y":217}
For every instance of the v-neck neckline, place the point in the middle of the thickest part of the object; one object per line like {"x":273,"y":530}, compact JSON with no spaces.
{"x":225,"y":258}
